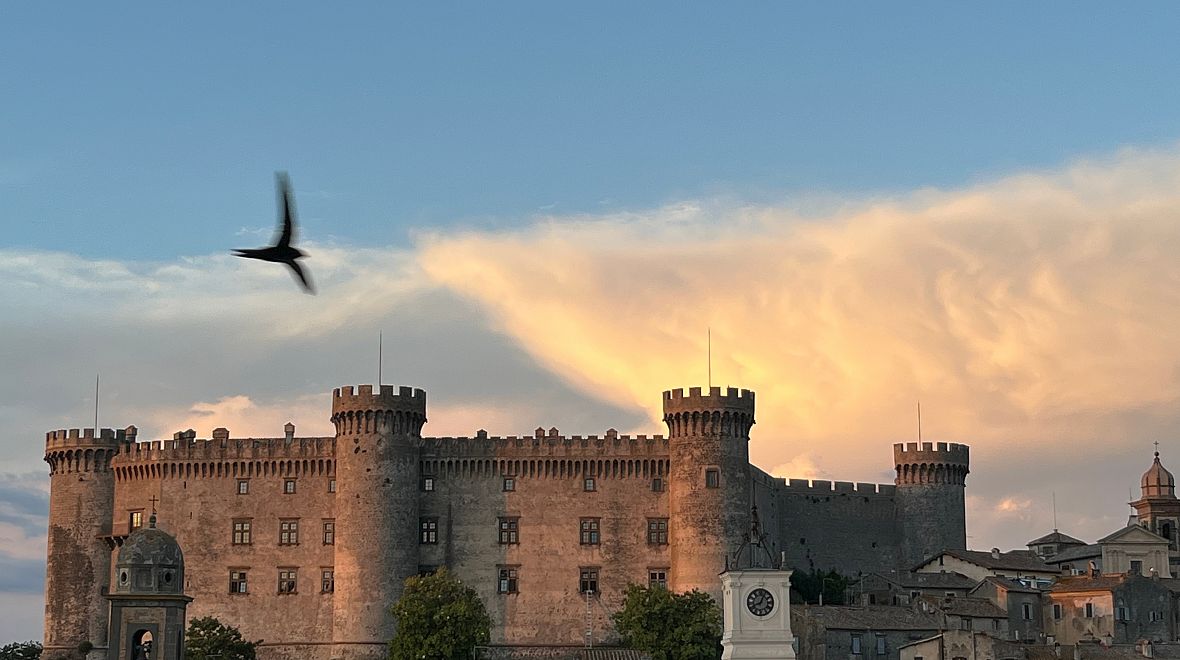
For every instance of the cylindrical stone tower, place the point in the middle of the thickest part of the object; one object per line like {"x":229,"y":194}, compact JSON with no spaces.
{"x":377,"y":440}
{"x":931,"y":508}
{"x":708,"y":482}
{"x":78,"y":561}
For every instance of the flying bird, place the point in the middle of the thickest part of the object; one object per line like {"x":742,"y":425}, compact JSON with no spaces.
{"x":282,"y":252}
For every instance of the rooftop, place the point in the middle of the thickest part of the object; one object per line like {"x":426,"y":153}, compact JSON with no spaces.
{"x":1015,"y":560}
{"x":871,"y":617}
{"x":1056,"y":537}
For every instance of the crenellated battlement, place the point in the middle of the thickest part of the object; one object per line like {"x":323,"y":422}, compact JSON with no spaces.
{"x":401,"y":413}
{"x":226,"y":450}
{"x":386,"y":398}
{"x":732,"y":399}
{"x":547,"y":443}
{"x":827,"y":487}
{"x":64,"y":438}
{"x":930,"y":452}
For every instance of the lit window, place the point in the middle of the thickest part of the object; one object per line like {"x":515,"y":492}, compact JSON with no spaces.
{"x":243,"y":487}
{"x":508,"y":531}
{"x":589,"y":531}
{"x":588,"y":583}
{"x":135,"y":521}
{"x":509,"y":484}
{"x":329,"y":532}
{"x":507,"y":580}
{"x":289,"y":532}
{"x":657,"y":531}
{"x":856,"y":645}
{"x":428,"y":484}
{"x":327,"y":581}
{"x":241,"y":532}
{"x":289,"y":486}
{"x":588,"y":484}
{"x":237,"y":582}
{"x":712,"y":478}
{"x":657,"y":577}
{"x":880,"y":644}
{"x":657,"y":485}
{"x":287,"y":580}
{"x":428,"y":530}
{"x":331,"y":485}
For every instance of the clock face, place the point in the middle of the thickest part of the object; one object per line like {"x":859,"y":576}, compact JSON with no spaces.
{"x":760,"y":602}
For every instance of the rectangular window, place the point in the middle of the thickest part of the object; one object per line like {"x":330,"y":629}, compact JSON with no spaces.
{"x":1136,"y":567}
{"x":428,"y":530}
{"x":855,"y":645}
{"x":1120,"y":614}
{"x":657,"y":485}
{"x":1057,"y":611}
{"x":243,"y":487}
{"x":588,"y":484}
{"x":1026,"y":611}
{"x":880,"y":644}
{"x":506,"y":583}
{"x":331,"y":485}
{"x":712,"y":478}
{"x":289,"y":532}
{"x":428,"y":484}
{"x":135,"y":521}
{"x":995,"y":624}
{"x":508,"y":531}
{"x":1089,"y":610}
{"x":657,"y":531}
{"x":287,"y":580}
{"x":237,"y":582}
{"x":657,"y":577}
{"x":964,"y":623}
{"x":509,"y":484}
{"x":327,"y":581}
{"x":289,"y":487}
{"x":329,"y":532}
{"x":241,"y":532}
{"x":589,"y":531}
{"x":588,"y":583}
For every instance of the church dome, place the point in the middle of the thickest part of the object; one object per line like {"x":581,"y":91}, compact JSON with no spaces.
{"x":1157,"y":481}
{"x":150,"y":562}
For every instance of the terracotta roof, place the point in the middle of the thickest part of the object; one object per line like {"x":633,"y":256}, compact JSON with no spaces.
{"x":1056,"y":537}
{"x":612,"y":654}
{"x":1016,"y":560}
{"x":1073,"y":554}
{"x":940,"y":580}
{"x":1087,"y":583}
{"x":871,"y":617}
{"x":979,"y":608}
{"x":1009,"y":584}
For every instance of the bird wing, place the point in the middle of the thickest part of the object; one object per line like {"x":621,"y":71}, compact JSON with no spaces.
{"x":302,"y":277}
{"x":288,"y":209}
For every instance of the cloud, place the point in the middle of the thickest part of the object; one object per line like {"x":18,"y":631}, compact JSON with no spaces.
{"x":1037,"y":317}
{"x":803,"y":466}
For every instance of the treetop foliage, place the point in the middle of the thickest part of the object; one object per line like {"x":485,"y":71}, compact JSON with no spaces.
{"x":670,"y":626}
{"x":438,"y":618}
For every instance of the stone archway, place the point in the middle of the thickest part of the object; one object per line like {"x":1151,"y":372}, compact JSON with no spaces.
{"x":141,"y":645}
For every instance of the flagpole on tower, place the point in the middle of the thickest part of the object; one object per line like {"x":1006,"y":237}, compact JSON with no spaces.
{"x":380,"y":357}
{"x":96,"y":404}
{"x":710,"y":357}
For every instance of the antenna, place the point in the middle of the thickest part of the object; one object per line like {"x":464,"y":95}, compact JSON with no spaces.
{"x":380,"y":357}
{"x":1054,"y":511}
{"x":96,"y":404}
{"x":710,"y":354}
{"x":919,"y":420}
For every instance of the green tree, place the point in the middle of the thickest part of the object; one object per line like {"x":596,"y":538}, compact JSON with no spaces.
{"x":21,"y":651}
{"x":438,"y":618}
{"x":210,"y":638}
{"x":809,"y":586}
{"x":670,"y":626}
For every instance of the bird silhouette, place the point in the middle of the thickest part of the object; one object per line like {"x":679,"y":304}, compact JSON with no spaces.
{"x":282,"y":252}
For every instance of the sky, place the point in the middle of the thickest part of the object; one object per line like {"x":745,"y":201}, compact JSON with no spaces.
{"x":543,"y":209}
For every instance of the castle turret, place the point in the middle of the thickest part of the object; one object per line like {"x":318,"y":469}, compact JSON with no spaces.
{"x":931,"y":498}
{"x":709,"y":482}
{"x":78,"y":561}
{"x":377,"y":440}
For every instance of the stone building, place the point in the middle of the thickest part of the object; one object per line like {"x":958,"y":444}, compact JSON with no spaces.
{"x":304,"y":542}
{"x":1113,"y":608}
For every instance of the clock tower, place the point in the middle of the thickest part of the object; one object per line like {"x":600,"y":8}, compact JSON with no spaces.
{"x":756,"y":603}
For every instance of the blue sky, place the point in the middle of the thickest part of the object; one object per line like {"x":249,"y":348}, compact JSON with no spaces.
{"x":152,"y":132}
{"x":545,"y":206}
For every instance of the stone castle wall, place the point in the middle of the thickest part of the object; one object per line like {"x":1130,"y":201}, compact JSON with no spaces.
{"x":818,"y":524}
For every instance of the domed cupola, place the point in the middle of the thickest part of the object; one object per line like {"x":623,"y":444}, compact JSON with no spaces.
{"x":1157,"y":482}
{"x":150,"y":562}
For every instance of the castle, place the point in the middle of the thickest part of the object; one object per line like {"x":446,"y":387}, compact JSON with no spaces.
{"x":305,"y":542}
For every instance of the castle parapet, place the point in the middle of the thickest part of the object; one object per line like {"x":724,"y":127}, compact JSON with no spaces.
{"x":387,"y":397}
{"x":732,"y":399}
{"x":546,"y":444}
{"x":931,"y":463}
{"x":819,"y":487}
{"x":65,"y":438}
{"x":227,"y":449}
